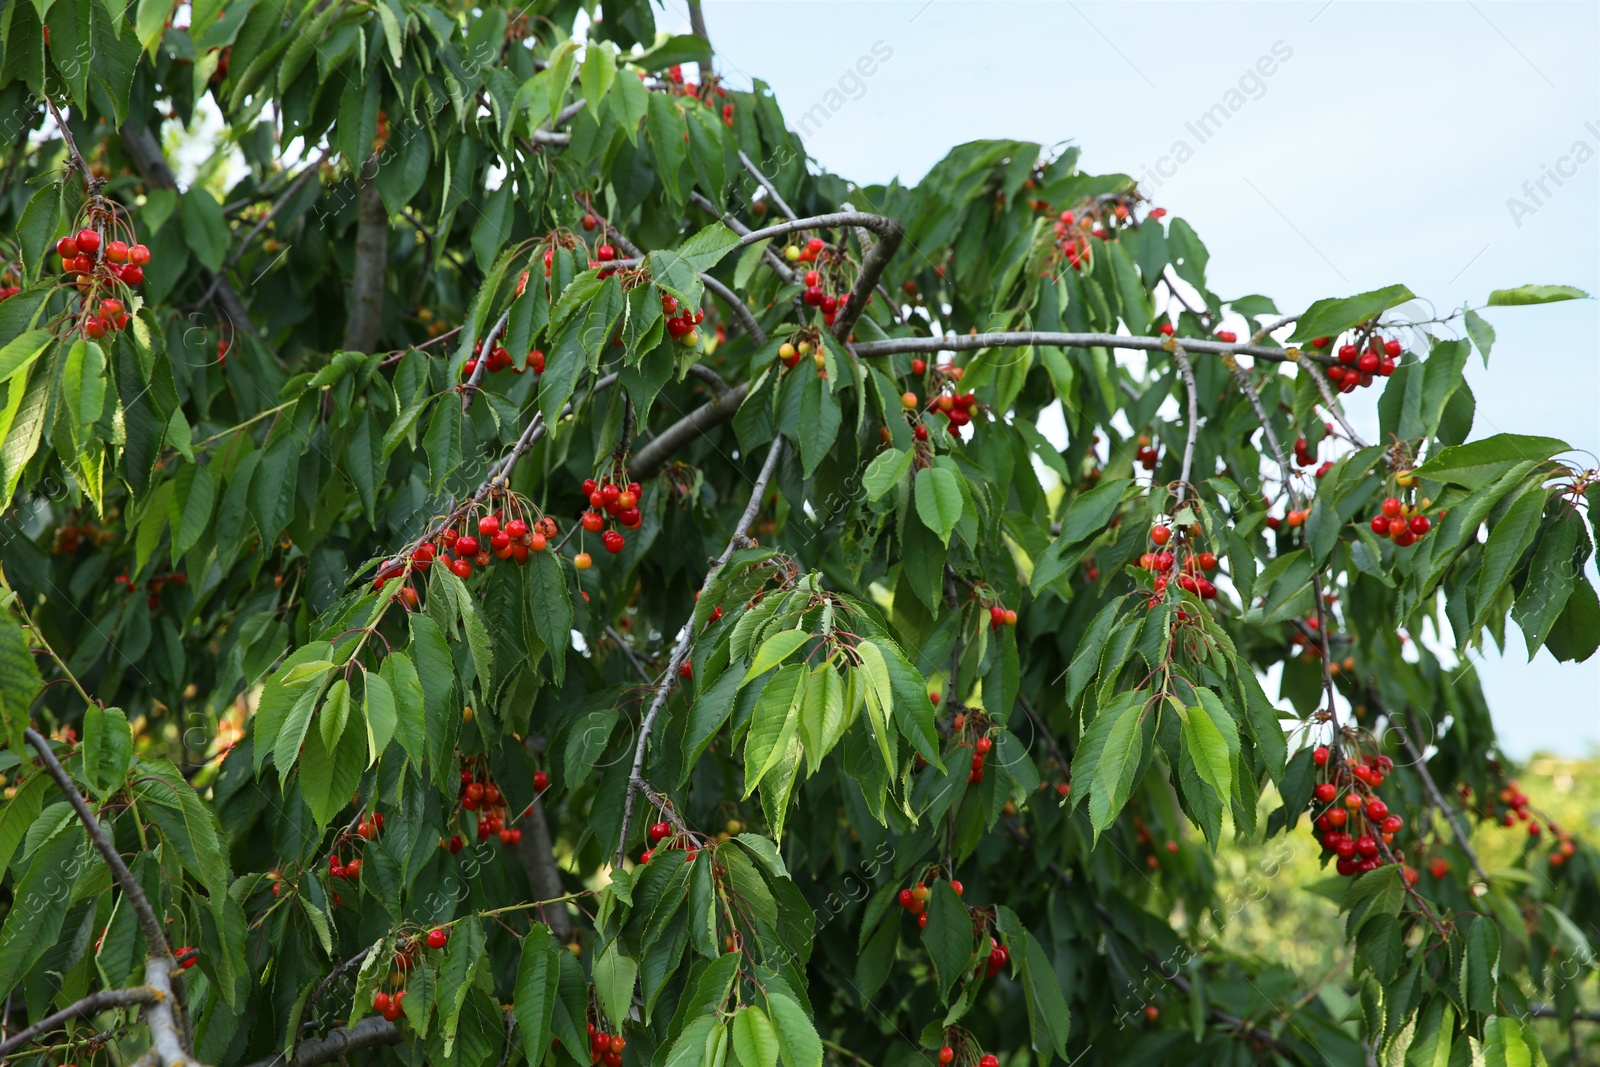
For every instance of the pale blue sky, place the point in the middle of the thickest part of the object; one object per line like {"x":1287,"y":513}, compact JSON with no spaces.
{"x":1383,"y":147}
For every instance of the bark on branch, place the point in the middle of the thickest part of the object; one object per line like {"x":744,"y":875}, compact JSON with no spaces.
{"x":365,"y":317}
{"x":680,"y":651}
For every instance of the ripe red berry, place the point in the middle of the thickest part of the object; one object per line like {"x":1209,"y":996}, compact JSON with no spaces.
{"x":1319,"y":756}
{"x":1391,"y":507}
{"x":947,"y":1054}
{"x":1380,"y":525}
{"x":605,"y":253}
{"x":1392,"y":348}
{"x":989,"y":1060}
{"x":983,"y":745}
{"x":117,"y":251}
{"x":1326,"y":791}
{"x":613,"y":541}
{"x":466,"y":545}
{"x":67,"y":248}
{"x":438,"y":937}
{"x":541,"y":781}
{"x":1160,"y":534}
{"x":138,"y":255}
{"x":1420,"y":525}
{"x":461,"y":568}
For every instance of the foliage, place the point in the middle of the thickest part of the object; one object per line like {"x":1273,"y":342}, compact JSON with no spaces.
{"x":851,"y":626}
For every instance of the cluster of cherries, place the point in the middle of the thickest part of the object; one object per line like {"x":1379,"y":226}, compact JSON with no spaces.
{"x":479,"y":793}
{"x":1147,"y":455}
{"x":1393,"y":522}
{"x":915,"y":899}
{"x":1147,"y":840}
{"x":706,"y":94}
{"x":497,"y":538}
{"x":1353,"y":831}
{"x":681,"y":324}
{"x":1000,"y":615}
{"x":816,"y":295}
{"x":68,"y":538}
{"x":1357,"y":369}
{"x":1191,"y":578}
{"x":616,"y":499}
{"x":152,"y":587}
{"x":500,"y":359}
{"x":98,"y":265}
{"x":947,"y":1055}
{"x":661,"y":831}
{"x":796,"y":254}
{"x":605,"y":1048}
{"x":1305,"y":457}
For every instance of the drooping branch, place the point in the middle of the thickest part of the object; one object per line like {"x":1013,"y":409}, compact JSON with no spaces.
{"x":719,"y":409}
{"x":166,"y":1033}
{"x":365,"y":317}
{"x":968,"y":342}
{"x":149,"y":923}
{"x":680,"y":650}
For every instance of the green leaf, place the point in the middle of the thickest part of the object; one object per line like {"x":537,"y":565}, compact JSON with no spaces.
{"x":205,"y":230}
{"x":436,"y":671}
{"x":20,"y":352}
{"x":1478,"y":463}
{"x":19,"y":681}
{"x":83,"y":385}
{"x":1481,"y":332}
{"x":1551,"y":577}
{"x":39,"y":901}
{"x":598,"y":72}
{"x":937,"y":492}
{"x":189,"y":511}
{"x":1507,"y":543}
{"x":707,"y":247}
{"x":107,"y":749}
{"x":1535,"y":294}
{"x":379,"y":712}
{"x":773,"y":651}
{"x":335,"y":713}
{"x":947,"y":936}
{"x":329,"y":774}
{"x":675,"y":51}
{"x":887,"y":469}
{"x":755,"y":1039}
{"x":1206,"y":746}
{"x":538,"y":975}
{"x":797,"y":1035}
{"x":614,"y":978}
{"x":1049,"y":1018}
{"x":879,"y":694}
{"x":773,"y":723}
{"x":410,"y":721}
{"x":667,"y":141}
{"x":1331,"y":317}
{"x":1118,"y":763}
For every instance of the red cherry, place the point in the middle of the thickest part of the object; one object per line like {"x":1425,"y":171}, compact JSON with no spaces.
{"x":1420,"y":525}
{"x":947,"y":1054}
{"x":67,"y":248}
{"x":438,"y":937}
{"x":1160,"y":534}
{"x":541,"y":781}
{"x":1391,"y":507}
{"x":983,"y":745}
{"x":1380,"y":525}
{"x":1326,"y":791}
{"x":88,"y":241}
{"x":1392,"y":348}
{"x":488,"y":526}
{"x":117,"y":251}
{"x":1376,"y":809}
{"x":461,"y":568}
{"x":1319,"y":756}
{"x":605,"y":253}
{"x":139,"y":255}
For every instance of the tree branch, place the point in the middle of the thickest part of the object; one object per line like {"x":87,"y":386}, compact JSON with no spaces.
{"x":368,"y":1033}
{"x":719,"y":409}
{"x":872,"y":267}
{"x":537,"y":855}
{"x":1328,"y":399}
{"x":1419,"y":761}
{"x":470,"y":390}
{"x":772,"y":190}
{"x":88,"y":1007}
{"x":680,"y":650}
{"x":365,"y":317}
{"x":1187,"y":371}
{"x":967,"y":342}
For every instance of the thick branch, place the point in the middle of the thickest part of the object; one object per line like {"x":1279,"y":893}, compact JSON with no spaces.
{"x":368,"y":1033}
{"x":719,"y":409}
{"x":537,"y":855}
{"x":680,"y":651}
{"x":371,"y":267}
{"x":142,"y":148}
{"x":88,"y":1007}
{"x":967,"y":342}
{"x":872,"y":267}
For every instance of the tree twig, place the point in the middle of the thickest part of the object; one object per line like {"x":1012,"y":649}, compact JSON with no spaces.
{"x":967,"y":342}
{"x":1330,"y":401}
{"x":772,"y":190}
{"x":719,"y":409}
{"x":680,"y":650}
{"x":1187,"y":371}
{"x":88,"y":1007}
